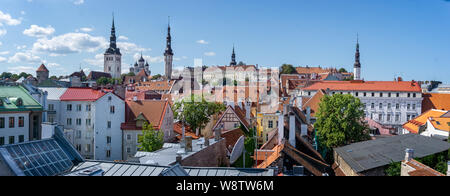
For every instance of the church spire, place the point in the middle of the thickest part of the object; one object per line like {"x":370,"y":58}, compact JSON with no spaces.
{"x":233,"y":58}
{"x":169,"y":41}
{"x":112,"y":39}
{"x":357,"y":54}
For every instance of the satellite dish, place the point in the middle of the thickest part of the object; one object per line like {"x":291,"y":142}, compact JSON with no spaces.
{"x":237,"y":150}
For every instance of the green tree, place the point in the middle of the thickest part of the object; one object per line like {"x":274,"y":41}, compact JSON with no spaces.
{"x":340,"y":121}
{"x":196,"y":113}
{"x":151,"y":140}
{"x":287,"y":69}
{"x":394,"y":169}
{"x":342,"y":70}
{"x":156,"y":77}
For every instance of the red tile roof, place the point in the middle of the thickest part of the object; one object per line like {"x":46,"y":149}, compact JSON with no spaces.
{"x":435,"y":101}
{"x":390,"y":86}
{"x":153,"y":111}
{"x":314,"y":102}
{"x":178,"y":128}
{"x":82,"y":94}
{"x":421,"y":169}
{"x":42,"y":68}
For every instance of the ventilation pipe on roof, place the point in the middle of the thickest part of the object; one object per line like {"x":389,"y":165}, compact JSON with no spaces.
{"x":280,"y":128}
{"x":409,"y":155}
{"x":292,"y":129}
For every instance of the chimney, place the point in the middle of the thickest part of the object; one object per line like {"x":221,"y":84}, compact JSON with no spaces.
{"x":292,"y":129}
{"x":280,"y":128}
{"x":189,"y":144}
{"x":248,"y":110}
{"x":409,"y":155}
{"x":179,"y":158}
{"x":217,"y":135}
{"x":308,"y":115}
{"x":206,"y":142}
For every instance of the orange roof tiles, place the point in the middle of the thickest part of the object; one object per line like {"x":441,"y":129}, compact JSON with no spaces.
{"x":435,"y":101}
{"x":441,"y":123}
{"x":392,"y":86}
{"x":314,"y":102}
{"x":310,"y":70}
{"x":155,"y":85}
{"x":413,"y":126}
{"x":421,"y":169}
{"x":42,"y":68}
{"x":153,"y":111}
{"x":178,"y":128}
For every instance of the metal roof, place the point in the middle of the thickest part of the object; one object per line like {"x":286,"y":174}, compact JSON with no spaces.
{"x":133,"y":169}
{"x":372,"y":154}
{"x":54,"y":93}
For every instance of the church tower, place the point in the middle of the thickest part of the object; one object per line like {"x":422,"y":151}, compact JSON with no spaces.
{"x":357,"y":65}
{"x":233,"y":59}
{"x":168,"y":55}
{"x":113,"y":57}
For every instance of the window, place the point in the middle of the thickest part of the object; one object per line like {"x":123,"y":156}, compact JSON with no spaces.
{"x":108,"y":154}
{"x":109,"y":98}
{"x":51,"y":119}
{"x":381,"y":105}
{"x":397,"y":106}
{"x":389,"y":95}
{"x":270,"y":124}
{"x":79,"y":121}
{"x":380,"y":117}
{"x":398,"y":94}
{"x":51,"y":107}
{"x":414,"y":106}
{"x":236,"y":125}
{"x":128,"y":150}
{"x":108,"y":140}
{"x":414,"y":95}
{"x":21,"y":138}
{"x":2,"y":122}
{"x":79,"y":107}
{"x":88,"y":122}
{"x":357,"y":94}
{"x":88,"y":107}
{"x":373,"y":106}
{"x":11,"y":122}
{"x":409,"y":106}
{"x":109,"y":124}
{"x":128,"y":137}
{"x":309,"y":93}
{"x":78,"y":147}
{"x":112,"y":109}
{"x":365,"y":94}
{"x":373,"y":94}
{"x":389,"y":106}
{"x":381,"y":94}
{"x":21,"y":121}
{"x":2,"y":141}
{"x":69,"y":107}
{"x":389,"y":118}
{"x":409,"y":94}
{"x":11,"y":139}
{"x":88,"y":148}
{"x":397,"y":117}
{"x":69,"y":121}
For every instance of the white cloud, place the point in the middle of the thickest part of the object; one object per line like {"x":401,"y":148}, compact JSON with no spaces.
{"x":86,"y":29}
{"x":53,"y":65}
{"x":149,"y":59}
{"x":23,"y":12}
{"x":1,"y":43}
{"x":22,"y":57}
{"x":7,"y":19}
{"x":97,"y":61}
{"x":40,"y":32}
{"x":78,"y":2}
{"x":20,"y":69}
{"x":4,"y":53}
{"x":70,"y":43}
{"x":123,"y":38}
{"x":3,"y":32}
{"x":128,"y":47}
{"x":202,"y":42}
{"x":210,"y":54}
{"x":2,"y":59}
{"x":21,"y":47}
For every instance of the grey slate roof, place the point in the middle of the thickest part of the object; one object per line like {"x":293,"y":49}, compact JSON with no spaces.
{"x":132,"y":169}
{"x":372,"y":154}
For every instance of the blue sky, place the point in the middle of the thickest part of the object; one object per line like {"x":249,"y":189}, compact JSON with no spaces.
{"x":408,"y":38}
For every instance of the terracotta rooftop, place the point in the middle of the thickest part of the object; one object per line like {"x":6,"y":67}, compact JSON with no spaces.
{"x":178,"y":128}
{"x":435,"y":101}
{"x":392,"y":86}
{"x":413,"y":126}
{"x":155,"y":85}
{"x":314,"y":102}
{"x":421,"y":169}
{"x":42,"y":68}
{"x":152,"y":111}
{"x":82,"y":94}
{"x":231,"y":137}
{"x":441,"y":123}
{"x":310,"y":70}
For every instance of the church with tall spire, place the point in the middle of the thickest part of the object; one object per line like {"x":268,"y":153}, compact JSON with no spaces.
{"x":357,"y":65}
{"x":113,"y":57}
{"x":233,"y":58}
{"x":168,"y":55}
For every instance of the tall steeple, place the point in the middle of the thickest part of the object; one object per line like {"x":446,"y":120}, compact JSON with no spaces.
{"x":113,"y":57}
{"x":233,"y":58}
{"x":168,"y":54}
{"x":357,"y":65}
